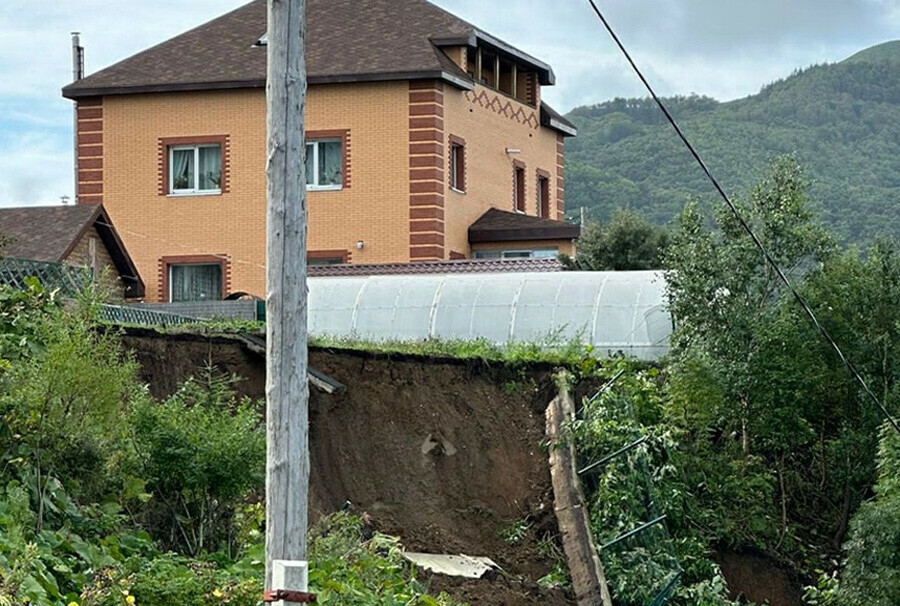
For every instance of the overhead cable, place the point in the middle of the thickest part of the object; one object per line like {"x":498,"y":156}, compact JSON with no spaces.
{"x":746,"y":227}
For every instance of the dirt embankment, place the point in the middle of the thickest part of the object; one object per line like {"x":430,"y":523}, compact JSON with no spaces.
{"x":759,"y":578}
{"x":444,"y":454}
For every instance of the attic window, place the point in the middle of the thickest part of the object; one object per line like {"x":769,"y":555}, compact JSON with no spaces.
{"x":507,"y":80}
{"x":489,"y":69}
{"x":471,"y":61}
{"x":502,"y":74}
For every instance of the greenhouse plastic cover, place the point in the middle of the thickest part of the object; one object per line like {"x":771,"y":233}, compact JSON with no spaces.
{"x":616,"y":312}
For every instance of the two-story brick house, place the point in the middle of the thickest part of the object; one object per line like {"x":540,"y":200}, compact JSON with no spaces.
{"x":418,"y":125}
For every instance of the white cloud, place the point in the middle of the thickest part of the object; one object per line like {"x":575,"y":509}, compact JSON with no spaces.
{"x":35,"y":168}
{"x":721,"y":48}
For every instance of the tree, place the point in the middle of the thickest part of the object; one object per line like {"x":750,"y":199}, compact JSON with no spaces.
{"x":872,"y":573}
{"x":723,"y":294}
{"x":627,"y":242}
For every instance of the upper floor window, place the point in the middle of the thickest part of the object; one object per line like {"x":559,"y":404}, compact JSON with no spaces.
{"x":324,"y":164}
{"x":502,"y":74}
{"x":543,"y":194}
{"x":195,"y":169}
{"x":519,"y":188}
{"x":457,"y":164}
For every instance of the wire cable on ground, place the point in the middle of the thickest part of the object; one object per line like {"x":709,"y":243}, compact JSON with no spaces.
{"x":734,"y":210}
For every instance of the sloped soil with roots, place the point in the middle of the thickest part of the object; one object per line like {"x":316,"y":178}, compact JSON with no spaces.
{"x":447,"y":455}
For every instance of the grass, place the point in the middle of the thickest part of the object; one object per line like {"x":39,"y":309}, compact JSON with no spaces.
{"x":571,"y":353}
{"x":553,"y":350}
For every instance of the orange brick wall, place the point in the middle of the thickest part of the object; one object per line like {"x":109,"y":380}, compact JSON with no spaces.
{"x":491,"y":122}
{"x":374,"y":209}
{"x":379,"y":207}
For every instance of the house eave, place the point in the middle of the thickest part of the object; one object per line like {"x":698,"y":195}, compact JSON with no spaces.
{"x":563,"y":128}
{"x":75,"y":93}
{"x":561,"y":232}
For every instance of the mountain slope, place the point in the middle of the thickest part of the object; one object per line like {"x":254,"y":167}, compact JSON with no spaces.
{"x":842,"y":121}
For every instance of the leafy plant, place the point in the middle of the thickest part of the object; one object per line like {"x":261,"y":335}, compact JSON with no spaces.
{"x":201,"y":453}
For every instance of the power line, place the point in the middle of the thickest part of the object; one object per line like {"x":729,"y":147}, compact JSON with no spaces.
{"x":734,"y":210}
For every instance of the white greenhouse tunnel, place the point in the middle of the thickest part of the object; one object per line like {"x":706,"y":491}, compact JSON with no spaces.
{"x":616,"y":312}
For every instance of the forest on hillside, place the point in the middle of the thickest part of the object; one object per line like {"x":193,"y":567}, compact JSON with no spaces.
{"x":841,"y":121}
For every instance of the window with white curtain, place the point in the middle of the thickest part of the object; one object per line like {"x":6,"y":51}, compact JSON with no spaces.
{"x":195,"y":282}
{"x":324,"y":164}
{"x":195,"y":169}
{"x":534,"y":253}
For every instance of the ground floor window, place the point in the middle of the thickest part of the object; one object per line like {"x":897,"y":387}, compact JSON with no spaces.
{"x":195,"y":282}
{"x":327,"y":257}
{"x":325,"y":261}
{"x":539,"y":253}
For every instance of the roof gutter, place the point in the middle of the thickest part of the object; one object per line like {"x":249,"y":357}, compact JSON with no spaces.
{"x":563,"y":128}
{"x":565,"y":231}
{"x":77,"y":92}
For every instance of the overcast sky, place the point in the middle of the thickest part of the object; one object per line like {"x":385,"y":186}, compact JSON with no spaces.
{"x":722,"y":48}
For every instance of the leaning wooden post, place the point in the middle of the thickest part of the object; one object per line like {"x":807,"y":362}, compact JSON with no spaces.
{"x":585,"y":567}
{"x":287,"y":395}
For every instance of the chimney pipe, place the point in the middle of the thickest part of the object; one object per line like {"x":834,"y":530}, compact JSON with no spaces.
{"x":77,"y":74}
{"x":77,"y":57}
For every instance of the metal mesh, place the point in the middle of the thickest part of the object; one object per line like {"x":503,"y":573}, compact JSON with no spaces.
{"x":121,"y":314}
{"x":643,"y":542}
{"x":67,"y":279}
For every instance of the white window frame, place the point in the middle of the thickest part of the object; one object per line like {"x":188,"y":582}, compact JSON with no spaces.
{"x":194,"y":191}
{"x":315,"y":165}
{"x":457,"y":157}
{"x":520,"y":190}
{"x":516,"y":253}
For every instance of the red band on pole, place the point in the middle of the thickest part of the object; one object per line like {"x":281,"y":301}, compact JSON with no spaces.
{"x":298,"y":597}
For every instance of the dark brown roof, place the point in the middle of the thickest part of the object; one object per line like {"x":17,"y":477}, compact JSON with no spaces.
{"x":555,"y":120}
{"x":467,"y":266}
{"x":503,"y":226}
{"x":347,"y":41}
{"x":50,"y":233}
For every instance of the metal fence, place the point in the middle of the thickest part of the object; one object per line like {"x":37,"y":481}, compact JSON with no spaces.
{"x":130,"y":314}
{"x":67,"y":279}
{"x":241,"y":310}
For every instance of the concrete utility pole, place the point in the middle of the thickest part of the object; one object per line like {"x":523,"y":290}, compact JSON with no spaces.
{"x":287,"y":392}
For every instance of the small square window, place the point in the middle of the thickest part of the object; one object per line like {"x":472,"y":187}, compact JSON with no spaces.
{"x":324,"y":164}
{"x":195,"y":169}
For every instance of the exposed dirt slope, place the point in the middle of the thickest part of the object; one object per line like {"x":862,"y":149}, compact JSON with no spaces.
{"x":444,"y":454}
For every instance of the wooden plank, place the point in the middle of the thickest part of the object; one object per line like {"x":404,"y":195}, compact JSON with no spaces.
{"x":287,"y":391}
{"x":585,"y":567}
{"x":318,"y":378}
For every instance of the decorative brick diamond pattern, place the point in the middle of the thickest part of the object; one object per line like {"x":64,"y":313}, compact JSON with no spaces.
{"x":505,"y":107}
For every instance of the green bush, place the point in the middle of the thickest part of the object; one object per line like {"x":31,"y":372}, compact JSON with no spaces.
{"x":198,"y":455}
{"x":110,"y":498}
